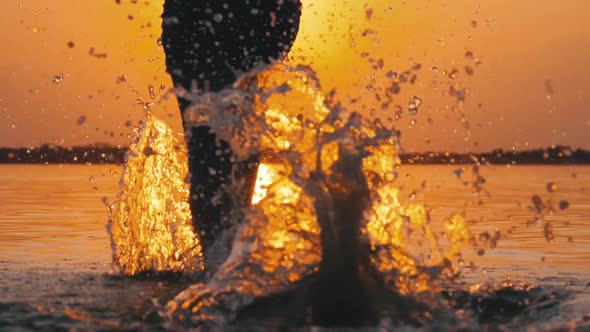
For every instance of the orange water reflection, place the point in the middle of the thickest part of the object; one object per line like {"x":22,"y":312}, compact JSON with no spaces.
{"x":50,"y":214}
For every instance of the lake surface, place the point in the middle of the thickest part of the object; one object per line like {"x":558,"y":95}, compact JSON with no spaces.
{"x":55,"y":255}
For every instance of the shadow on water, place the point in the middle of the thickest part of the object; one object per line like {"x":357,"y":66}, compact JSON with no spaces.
{"x":82,"y":297}
{"x":496,"y":308}
{"x":65,"y":298}
{"x":88,"y":296}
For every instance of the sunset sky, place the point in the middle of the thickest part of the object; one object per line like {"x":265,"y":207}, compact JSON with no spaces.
{"x":530,"y":85}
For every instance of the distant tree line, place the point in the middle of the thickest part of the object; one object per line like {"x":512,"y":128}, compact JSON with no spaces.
{"x":557,"y":155}
{"x":106,"y":154}
{"x":50,"y":154}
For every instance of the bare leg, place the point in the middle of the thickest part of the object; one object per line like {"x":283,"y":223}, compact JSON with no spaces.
{"x":207,"y":42}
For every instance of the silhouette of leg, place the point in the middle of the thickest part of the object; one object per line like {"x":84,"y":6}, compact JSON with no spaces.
{"x":206,"y":43}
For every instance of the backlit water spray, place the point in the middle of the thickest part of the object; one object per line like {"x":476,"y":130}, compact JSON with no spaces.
{"x":318,"y":161}
{"x":328,"y":238}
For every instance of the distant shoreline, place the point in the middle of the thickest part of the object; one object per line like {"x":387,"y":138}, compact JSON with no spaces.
{"x":106,"y":154}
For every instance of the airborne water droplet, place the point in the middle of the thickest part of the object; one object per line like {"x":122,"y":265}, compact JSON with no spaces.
{"x":151,"y":91}
{"x":551,"y":187}
{"x":414,"y":104}
{"x":563,"y":205}
{"x":218,"y":18}
{"x":81,"y":120}
{"x":57,"y":79}
{"x":399,"y":111}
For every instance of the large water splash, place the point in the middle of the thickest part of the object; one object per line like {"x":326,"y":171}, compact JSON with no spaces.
{"x":150,"y":226}
{"x":309,"y":144}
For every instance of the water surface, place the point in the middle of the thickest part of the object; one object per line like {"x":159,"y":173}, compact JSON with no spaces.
{"x":55,"y":255}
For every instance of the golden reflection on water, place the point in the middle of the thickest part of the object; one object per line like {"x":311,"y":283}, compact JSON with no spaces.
{"x":54,"y":213}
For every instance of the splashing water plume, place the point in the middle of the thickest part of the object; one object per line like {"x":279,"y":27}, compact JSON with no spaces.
{"x":305,"y":140}
{"x":150,"y":226}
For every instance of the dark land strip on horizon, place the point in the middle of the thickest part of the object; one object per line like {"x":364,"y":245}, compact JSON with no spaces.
{"x":107,"y":154}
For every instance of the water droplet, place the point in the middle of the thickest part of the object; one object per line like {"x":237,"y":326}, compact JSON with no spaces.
{"x":148,"y":151}
{"x":218,"y":18}
{"x":368,"y":12}
{"x":368,"y":32}
{"x":549,"y":89}
{"x":551,"y":187}
{"x":414,"y":104}
{"x":57,"y":79}
{"x":538,"y":203}
{"x":474,"y":24}
{"x":13,"y":125}
{"x":563,"y":205}
{"x":71,"y":44}
{"x":548,"y":231}
{"x":151,"y":91}
{"x":453,"y":74}
{"x":399,"y":111}
{"x":391,"y":75}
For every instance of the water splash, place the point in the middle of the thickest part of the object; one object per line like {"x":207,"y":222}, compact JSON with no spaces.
{"x":150,"y":226}
{"x":307,"y":141}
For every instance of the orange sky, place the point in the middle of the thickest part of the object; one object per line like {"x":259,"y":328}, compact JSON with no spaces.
{"x":521,"y":45}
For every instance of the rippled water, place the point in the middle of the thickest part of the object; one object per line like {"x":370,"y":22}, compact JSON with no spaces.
{"x":55,"y":256}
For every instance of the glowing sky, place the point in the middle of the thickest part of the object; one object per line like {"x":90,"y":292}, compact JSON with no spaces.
{"x":531,"y":89}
